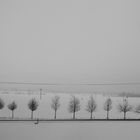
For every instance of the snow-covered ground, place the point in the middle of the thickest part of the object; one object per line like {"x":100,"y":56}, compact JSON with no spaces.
{"x":112,"y":130}
{"x":70,"y":131}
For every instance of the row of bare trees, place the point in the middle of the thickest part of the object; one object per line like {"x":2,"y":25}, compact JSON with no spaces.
{"x":74,"y":106}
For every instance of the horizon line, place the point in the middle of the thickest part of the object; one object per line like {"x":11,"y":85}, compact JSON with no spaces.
{"x":73,"y":84}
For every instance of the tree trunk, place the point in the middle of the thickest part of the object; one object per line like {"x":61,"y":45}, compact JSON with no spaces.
{"x":107,"y":115}
{"x":12,"y":114}
{"x":124,"y":115}
{"x":74,"y":115}
{"x":91,"y":115}
{"x":31,"y":114}
{"x":55,"y":115}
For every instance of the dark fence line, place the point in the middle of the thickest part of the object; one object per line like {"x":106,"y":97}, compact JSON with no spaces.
{"x":36,"y":121}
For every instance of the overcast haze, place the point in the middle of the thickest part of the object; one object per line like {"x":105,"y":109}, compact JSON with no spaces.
{"x":69,"y":41}
{"x":75,"y":41}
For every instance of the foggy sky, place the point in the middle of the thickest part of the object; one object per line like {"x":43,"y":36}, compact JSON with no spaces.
{"x":75,"y":41}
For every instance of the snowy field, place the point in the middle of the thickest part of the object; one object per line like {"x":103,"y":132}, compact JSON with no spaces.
{"x":45,"y":111}
{"x":96,"y":130}
{"x":70,"y":131}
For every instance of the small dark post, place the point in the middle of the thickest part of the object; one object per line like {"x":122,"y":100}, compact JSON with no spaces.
{"x":40,"y":94}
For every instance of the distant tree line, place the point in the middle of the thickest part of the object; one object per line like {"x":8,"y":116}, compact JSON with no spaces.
{"x":74,"y":106}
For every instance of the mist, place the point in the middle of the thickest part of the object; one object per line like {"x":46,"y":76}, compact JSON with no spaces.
{"x":75,"y":41}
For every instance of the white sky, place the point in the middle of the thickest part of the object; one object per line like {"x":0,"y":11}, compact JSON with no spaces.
{"x":75,"y":41}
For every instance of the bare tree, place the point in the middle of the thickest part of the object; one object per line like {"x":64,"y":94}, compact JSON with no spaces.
{"x":108,"y":106}
{"x":55,"y":104}
{"x":91,"y":106}
{"x":74,"y":105}
{"x":12,"y":106}
{"x":137,"y":109}
{"x":124,"y":107}
{"x":32,"y":105}
{"x":2,"y":104}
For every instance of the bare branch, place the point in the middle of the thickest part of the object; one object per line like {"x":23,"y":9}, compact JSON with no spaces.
{"x":74,"y":105}
{"x":124,"y":107}
{"x":12,"y":106}
{"x":55,"y":104}
{"x":108,"y":106}
{"x":91,"y":105}
{"x":33,"y":104}
{"x":137,"y":109}
{"x":2,"y":104}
